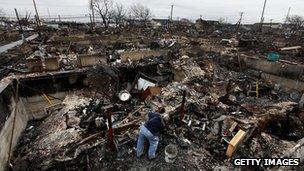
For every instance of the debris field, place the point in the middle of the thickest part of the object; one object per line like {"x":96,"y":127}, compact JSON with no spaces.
{"x":224,"y":98}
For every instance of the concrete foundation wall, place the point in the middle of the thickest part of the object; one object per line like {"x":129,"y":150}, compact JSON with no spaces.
{"x":26,"y":109}
{"x":137,"y":55}
{"x":289,"y":76}
{"x":291,"y":71}
{"x":90,"y":60}
{"x":285,"y":83}
{"x":6,"y":132}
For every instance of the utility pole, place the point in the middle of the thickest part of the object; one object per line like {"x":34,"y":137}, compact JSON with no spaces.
{"x":93,"y":14}
{"x":48,"y":10}
{"x":271,"y":20}
{"x":241,"y":18}
{"x":37,"y":18}
{"x":38,"y":27}
{"x":238,"y":24}
{"x":20,"y":26}
{"x":37,"y":15}
{"x":91,"y":22}
{"x":262,"y":17}
{"x":287,"y":16}
{"x":242,"y":13}
{"x":171,"y":17}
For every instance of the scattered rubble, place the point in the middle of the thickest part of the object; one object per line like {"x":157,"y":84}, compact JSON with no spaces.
{"x":221,"y":105}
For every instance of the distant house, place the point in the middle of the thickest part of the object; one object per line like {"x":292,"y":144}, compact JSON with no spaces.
{"x":138,"y":23}
{"x":185,"y":21}
{"x":157,"y":23}
{"x":2,"y":23}
{"x":269,"y":25}
{"x":52,"y":25}
{"x":206,"y":24}
{"x":246,"y":27}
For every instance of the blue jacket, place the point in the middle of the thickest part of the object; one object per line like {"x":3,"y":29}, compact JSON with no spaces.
{"x":155,"y":124}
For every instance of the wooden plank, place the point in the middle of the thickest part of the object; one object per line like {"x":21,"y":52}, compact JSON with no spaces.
{"x":235,"y":142}
{"x":233,"y":126}
{"x":291,"y":48}
{"x":151,"y":91}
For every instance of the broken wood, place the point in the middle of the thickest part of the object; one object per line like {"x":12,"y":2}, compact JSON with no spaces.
{"x":111,"y":142}
{"x":232,"y":128}
{"x":84,"y":141}
{"x":235,"y":142}
{"x":182,"y":107}
{"x":151,"y":91}
{"x":291,"y":48}
{"x":133,"y":125}
{"x":130,"y":115}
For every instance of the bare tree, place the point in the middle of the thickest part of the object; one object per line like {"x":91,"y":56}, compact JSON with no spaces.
{"x":222,"y":20}
{"x":296,"y":23}
{"x":140,"y":12}
{"x":25,"y":19}
{"x":119,"y":14}
{"x":2,"y":16}
{"x":185,"y":20}
{"x":104,"y":9}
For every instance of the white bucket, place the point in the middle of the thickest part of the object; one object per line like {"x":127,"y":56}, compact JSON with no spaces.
{"x":170,"y":153}
{"x":124,"y":95}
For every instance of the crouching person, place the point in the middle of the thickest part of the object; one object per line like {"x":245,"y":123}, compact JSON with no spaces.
{"x":150,"y":131}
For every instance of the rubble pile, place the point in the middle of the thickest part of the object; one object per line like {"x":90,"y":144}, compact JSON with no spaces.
{"x":225,"y":95}
{"x":208,"y":104}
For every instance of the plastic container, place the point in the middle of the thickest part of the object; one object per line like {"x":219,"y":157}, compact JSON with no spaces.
{"x":273,"y":56}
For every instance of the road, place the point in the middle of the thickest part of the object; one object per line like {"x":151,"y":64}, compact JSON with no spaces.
{"x":17,"y":43}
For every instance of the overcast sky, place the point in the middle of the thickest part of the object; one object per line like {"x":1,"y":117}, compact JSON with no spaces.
{"x":192,"y":9}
